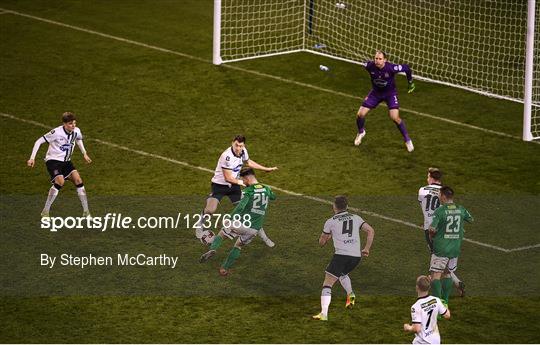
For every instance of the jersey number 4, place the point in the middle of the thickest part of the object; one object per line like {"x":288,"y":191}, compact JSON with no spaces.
{"x":347,"y":227}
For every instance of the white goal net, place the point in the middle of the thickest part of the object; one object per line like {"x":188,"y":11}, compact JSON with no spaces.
{"x":478,"y":45}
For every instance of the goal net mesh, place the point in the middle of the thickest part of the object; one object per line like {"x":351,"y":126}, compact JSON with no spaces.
{"x":478,"y":45}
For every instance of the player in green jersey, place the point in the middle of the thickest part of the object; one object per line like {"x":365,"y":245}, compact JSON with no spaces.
{"x":447,"y":234}
{"x":251,"y":211}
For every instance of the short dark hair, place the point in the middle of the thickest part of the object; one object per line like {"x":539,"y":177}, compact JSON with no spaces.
{"x":447,"y":192}
{"x":68,"y":116}
{"x":341,"y":202}
{"x":423,"y":283}
{"x":246,"y":172}
{"x":382,"y":52}
{"x":435,"y":174}
{"x":240,"y":138}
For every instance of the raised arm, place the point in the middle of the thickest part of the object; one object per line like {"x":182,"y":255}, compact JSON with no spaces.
{"x":255,"y":165}
{"x":37,"y":144}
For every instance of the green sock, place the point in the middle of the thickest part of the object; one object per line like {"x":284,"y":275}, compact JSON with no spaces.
{"x":233,"y":255}
{"x":447,"y":285}
{"x":436,"y":288}
{"x":216,"y":243}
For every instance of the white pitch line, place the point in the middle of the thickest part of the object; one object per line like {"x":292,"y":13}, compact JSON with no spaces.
{"x":524,"y":248}
{"x":488,"y":245}
{"x":187,"y":165}
{"x":97,"y":33}
{"x":257,"y":73}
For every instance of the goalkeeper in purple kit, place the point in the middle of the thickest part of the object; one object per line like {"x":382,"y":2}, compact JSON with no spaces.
{"x":382,"y":75}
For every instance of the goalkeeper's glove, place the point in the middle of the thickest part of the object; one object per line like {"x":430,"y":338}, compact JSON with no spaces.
{"x":411,"y":87}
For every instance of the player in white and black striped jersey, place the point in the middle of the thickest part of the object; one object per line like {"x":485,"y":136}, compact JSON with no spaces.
{"x":62,"y":140}
{"x":428,"y":197}
{"x":226,"y":181}
{"x":424,"y":314}
{"x":344,"y":229}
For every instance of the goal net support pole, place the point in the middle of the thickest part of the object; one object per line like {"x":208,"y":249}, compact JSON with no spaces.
{"x":216,"y":56}
{"x":529,"y":60}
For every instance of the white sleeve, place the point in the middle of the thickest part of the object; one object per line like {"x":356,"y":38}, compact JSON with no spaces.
{"x":441,"y":308}
{"x":81,"y":146}
{"x":246,"y":155}
{"x":327,"y":227}
{"x":79,"y":136}
{"x":49,"y":136}
{"x":361,"y":221}
{"x":421,"y":194}
{"x":416,"y":315}
{"x":37,"y":144}
{"x":225,"y":161}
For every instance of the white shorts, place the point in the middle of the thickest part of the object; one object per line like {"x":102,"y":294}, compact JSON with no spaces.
{"x":245,"y":235}
{"x":440,"y":264}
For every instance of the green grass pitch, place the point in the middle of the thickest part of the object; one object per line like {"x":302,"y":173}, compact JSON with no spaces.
{"x":178,"y":107}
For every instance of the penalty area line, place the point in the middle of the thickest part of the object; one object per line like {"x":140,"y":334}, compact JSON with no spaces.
{"x":257,"y":73}
{"x":309,"y":197}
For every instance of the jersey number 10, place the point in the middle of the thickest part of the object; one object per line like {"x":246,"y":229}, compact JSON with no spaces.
{"x":432,"y":202}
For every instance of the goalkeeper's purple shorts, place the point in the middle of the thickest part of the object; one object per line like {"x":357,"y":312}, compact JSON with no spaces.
{"x":373,"y":99}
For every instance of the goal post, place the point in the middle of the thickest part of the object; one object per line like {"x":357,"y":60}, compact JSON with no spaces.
{"x":485,"y":46}
{"x":531,"y":109}
{"x":216,"y":44}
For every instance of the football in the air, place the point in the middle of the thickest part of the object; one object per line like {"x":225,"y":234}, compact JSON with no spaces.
{"x":207,"y":237}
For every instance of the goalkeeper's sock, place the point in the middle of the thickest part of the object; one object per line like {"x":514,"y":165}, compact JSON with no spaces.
{"x":218,"y":240}
{"x":360,"y":122}
{"x":447,"y":285}
{"x":233,"y":255}
{"x":436,"y":288}
{"x":403,"y":131}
